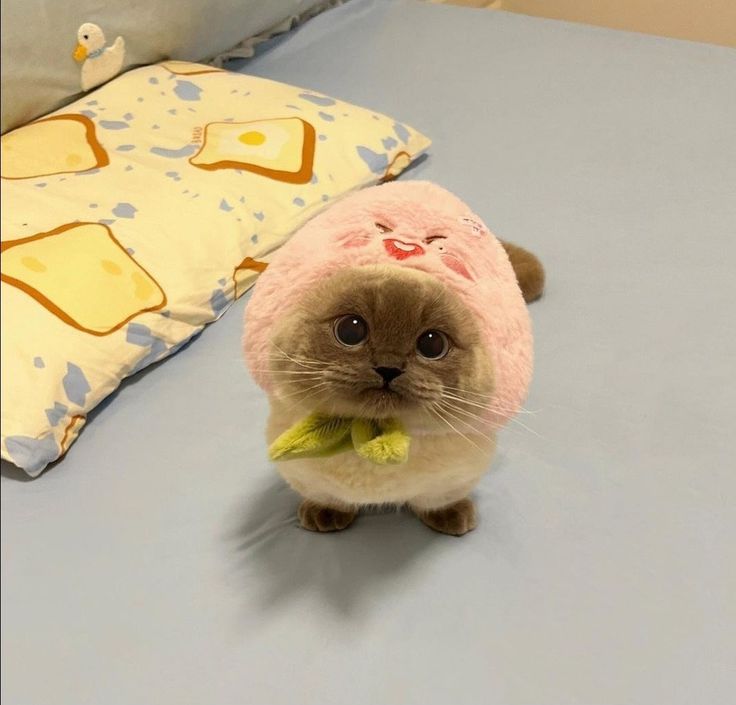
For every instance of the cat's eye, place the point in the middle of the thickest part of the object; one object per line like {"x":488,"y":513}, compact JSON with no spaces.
{"x":350,"y":330}
{"x":383,"y":228}
{"x":433,"y":345}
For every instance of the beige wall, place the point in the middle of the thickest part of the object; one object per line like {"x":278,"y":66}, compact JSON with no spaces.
{"x":712,"y":21}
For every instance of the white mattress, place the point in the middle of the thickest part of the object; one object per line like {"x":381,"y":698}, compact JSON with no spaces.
{"x":160,"y":562}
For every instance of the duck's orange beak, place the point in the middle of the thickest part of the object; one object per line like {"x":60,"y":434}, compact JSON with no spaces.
{"x":80,"y":53}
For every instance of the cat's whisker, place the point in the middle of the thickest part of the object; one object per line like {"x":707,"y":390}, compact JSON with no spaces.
{"x":290,"y":408}
{"x":482,"y":423}
{"x":498,"y":426}
{"x":282,"y":356}
{"x":488,"y":407}
{"x":527,"y":428}
{"x":487,"y":397}
{"x":510,"y":419}
{"x":497,"y":408}
{"x":308,"y":366}
{"x":288,"y":372}
{"x":470,"y":426}
{"x":309,"y":382}
{"x":459,"y":433}
{"x":294,"y":383}
{"x":453,"y":395}
{"x":307,"y":392}
{"x":469,"y":392}
{"x":472,"y":415}
{"x":470,"y":402}
{"x":303,"y":361}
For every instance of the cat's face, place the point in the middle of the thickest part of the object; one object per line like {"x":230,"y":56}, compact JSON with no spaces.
{"x":380,"y":341}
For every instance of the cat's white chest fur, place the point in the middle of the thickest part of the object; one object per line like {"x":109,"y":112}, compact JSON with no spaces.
{"x":442,"y":468}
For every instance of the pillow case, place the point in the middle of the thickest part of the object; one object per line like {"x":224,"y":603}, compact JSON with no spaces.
{"x":38,"y":67}
{"x":137,"y":215}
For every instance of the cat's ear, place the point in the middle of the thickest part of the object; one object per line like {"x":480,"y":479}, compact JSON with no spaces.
{"x":528,"y":269}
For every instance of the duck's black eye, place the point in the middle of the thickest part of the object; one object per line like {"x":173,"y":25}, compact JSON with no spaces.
{"x":351,"y":330}
{"x":85,"y":36}
{"x":433,"y":345}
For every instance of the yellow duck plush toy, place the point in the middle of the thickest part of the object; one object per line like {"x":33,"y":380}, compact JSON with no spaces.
{"x":100,"y":63}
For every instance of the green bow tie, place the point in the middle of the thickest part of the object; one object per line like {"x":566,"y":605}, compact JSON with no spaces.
{"x":383,"y":442}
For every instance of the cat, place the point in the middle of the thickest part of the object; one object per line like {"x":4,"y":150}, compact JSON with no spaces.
{"x":395,"y":307}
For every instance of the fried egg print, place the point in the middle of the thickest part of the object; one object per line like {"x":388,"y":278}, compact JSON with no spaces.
{"x":281,"y":149}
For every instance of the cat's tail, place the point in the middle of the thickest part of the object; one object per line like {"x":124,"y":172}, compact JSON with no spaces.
{"x":528,"y":269}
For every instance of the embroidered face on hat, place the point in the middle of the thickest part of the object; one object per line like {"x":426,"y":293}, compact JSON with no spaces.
{"x":417,"y":225}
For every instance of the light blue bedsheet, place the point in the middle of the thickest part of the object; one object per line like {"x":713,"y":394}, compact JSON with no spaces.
{"x":160,"y":562}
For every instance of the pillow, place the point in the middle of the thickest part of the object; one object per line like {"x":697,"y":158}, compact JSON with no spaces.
{"x":142,"y":211}
{"x":39,"y":71}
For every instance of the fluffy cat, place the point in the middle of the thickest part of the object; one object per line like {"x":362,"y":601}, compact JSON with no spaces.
{"x":395,"y":305}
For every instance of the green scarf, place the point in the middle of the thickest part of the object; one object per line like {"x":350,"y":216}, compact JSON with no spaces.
{"x":383,"y":442}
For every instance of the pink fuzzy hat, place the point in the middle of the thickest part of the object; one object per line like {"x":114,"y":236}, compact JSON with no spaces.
{"x":468,"y":259}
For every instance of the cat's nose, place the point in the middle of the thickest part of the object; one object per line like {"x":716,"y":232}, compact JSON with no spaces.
{"x":388,"y":373}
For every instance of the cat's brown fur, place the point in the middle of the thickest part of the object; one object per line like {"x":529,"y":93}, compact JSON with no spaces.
{"x":398,"y":305}
{"x":528,"y":269}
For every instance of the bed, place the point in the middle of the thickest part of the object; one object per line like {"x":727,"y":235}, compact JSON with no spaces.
{"x":160,"y":560}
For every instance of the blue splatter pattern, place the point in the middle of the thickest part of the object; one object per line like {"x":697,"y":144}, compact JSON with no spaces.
{"x":322,"y":100}
{"x":138,"y":334}
{"x":377,"y":163}
{"x":218,"y":302}
{"x":57,"y":413}
{"x":114,"y":124}
{"x":176,"y":133}
{"x":32,"y":454}
{"x":76,"y":386}
{"x":185,"y":151}
{"x":124,"y":210}
{"x":401,"y":132}
{"x":186,"y":90}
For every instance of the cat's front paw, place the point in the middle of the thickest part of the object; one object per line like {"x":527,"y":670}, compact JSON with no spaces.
{"x":317,"y":517}
{"x":454,"y":519}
